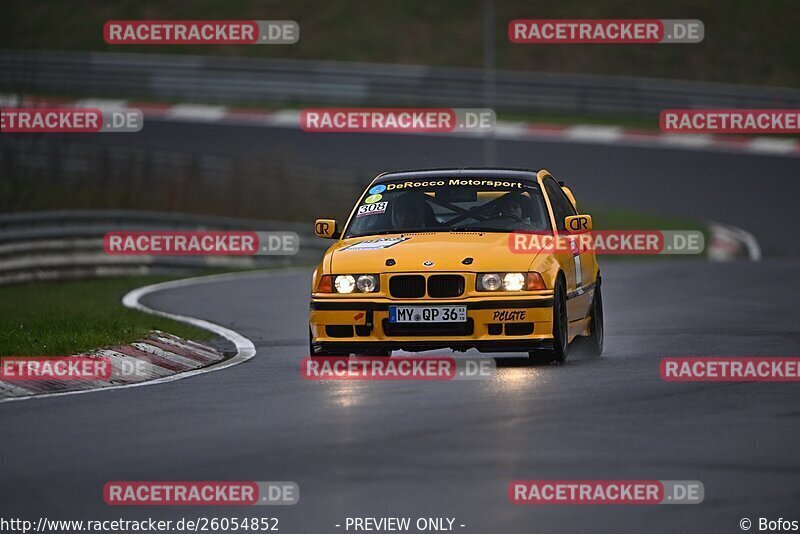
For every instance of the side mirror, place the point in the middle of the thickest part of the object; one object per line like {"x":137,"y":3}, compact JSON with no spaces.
{"x":326,"y":228}
{"x":578,"y":224}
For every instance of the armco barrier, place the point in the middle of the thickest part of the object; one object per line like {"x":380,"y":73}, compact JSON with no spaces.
{"x":230,"y":81}
{"x":47,"y":245}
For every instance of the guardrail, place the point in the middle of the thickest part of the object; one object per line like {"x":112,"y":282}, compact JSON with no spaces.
{"x":229,"y":81}
{"x":47,"y":245}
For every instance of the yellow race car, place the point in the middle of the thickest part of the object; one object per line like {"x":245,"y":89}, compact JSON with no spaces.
{"x":427,"y":261}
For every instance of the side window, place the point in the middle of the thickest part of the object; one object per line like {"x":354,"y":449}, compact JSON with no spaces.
{"x":562,"y":207}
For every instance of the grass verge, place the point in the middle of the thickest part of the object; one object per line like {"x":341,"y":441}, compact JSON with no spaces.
{"x":69,"y":317}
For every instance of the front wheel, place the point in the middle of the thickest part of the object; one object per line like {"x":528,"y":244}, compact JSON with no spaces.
{"x":558,"y":354}
{"x":593,"y":343}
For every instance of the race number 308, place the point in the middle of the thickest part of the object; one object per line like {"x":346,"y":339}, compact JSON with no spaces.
{"x":369,"y":209}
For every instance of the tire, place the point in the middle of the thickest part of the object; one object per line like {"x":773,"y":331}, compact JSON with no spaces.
{"x":558,"y":354}
{"x":593,"y":343}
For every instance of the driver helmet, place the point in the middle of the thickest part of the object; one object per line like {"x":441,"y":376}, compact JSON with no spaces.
{"x":408,"y":211}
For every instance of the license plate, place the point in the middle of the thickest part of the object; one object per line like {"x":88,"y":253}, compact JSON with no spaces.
{"x":427,"y":314}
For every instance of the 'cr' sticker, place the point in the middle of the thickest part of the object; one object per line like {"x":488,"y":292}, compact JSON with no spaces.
{"x":374,"y":244}
{"x":372,"y":209}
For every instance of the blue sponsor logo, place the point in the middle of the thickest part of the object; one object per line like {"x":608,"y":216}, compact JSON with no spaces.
{"x":377,"y":189}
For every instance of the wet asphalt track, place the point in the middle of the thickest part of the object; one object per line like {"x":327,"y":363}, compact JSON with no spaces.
{"x":445,"y":449}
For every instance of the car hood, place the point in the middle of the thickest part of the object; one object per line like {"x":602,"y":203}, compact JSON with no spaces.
{"x":410,"y":252}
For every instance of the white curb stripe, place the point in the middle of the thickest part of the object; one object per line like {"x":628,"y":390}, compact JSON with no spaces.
{"x":511,"y":130}
{"x":686,"y":140}
{"x":204,"y":352}
{"x":169,"y":356}
{"x":777,"y":146}
{"x":120,"y":362}
{"x":286,"y":117}
{"x":600,"y":134}
{"x":102,"y":104}
{"x":193,"y":112}
{"x":11,"y":101}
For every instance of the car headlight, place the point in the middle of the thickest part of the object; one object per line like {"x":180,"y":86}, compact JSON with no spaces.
{"x":367,"y":283}
{"x":514,"y":282}
{"x":489,"y":282}
{"x":344,"y":283}
{"x":510,"y":282}
{"x":349,"y":283}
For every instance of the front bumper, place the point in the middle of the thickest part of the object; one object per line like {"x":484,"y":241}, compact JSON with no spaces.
{"x":499,"y":324}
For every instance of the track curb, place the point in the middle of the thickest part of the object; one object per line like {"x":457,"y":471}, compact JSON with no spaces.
{"x":245,"y":349}
{"x":512,"y":130}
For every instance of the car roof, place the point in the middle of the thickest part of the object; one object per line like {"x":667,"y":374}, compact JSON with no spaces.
{"x":463,"y":172}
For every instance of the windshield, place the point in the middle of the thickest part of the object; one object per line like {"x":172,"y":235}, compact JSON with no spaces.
{"x":450,"y":205}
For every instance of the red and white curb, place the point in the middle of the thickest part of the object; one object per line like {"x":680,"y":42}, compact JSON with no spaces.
{"x":161,"y":358}
{"x":728,"y":243}
{"x":159,"y":355}
{"x":581,"y":133}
